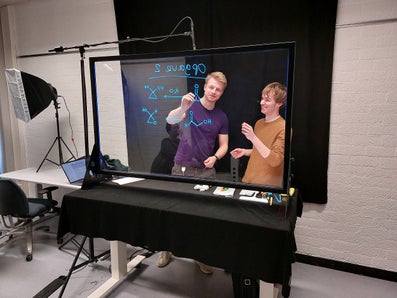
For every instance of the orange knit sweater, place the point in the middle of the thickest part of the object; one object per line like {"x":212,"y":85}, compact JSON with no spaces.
{"x":267,"y":171}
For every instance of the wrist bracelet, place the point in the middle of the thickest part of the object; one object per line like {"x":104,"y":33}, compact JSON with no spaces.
{"x":217,"y":158}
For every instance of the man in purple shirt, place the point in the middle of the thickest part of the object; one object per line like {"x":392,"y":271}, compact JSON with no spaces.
{"x":203,"y":125}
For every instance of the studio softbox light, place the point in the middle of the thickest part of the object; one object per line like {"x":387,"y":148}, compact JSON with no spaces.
{"x":29,"y":94}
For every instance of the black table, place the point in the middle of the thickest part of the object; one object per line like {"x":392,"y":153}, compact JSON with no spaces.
{"x":254,"y":239}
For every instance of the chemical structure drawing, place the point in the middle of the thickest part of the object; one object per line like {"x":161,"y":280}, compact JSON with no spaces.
{"x":156,"y":93}
{"x":196,"y":94}
{"x":151,"y":119}
{"x":153,"y":92}
{"x":192,"y":122}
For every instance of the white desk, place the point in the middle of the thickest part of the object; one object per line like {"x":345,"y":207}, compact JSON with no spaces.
{"x":50,"y":175}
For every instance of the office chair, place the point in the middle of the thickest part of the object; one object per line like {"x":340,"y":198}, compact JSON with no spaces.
{"x":18,"y":213}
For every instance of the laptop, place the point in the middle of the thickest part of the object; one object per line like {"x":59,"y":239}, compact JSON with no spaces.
{"x":75,"y":170}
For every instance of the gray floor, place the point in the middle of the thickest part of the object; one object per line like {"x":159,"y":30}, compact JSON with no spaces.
{"x":181,"y":278}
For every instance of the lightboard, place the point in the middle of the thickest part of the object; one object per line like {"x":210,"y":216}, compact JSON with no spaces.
{"x":132,"y":95}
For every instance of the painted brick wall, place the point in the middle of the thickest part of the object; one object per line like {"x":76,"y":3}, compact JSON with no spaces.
{"x":359,"y":223}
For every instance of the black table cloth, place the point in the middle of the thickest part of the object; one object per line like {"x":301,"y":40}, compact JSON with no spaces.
{"x":250,"y":238}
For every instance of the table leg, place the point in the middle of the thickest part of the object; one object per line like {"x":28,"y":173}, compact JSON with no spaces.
{"x":268,"y":290}
{"x":120,"y":268}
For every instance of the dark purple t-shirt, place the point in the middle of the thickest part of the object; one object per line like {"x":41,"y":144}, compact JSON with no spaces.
{"x":200,"y":130}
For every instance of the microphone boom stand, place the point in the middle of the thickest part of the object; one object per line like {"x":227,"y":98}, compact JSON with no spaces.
{"x":84,"y":97}
{"x":81,"y":48}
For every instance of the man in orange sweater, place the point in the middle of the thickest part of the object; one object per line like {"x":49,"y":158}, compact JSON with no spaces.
{"x":266,"y":162}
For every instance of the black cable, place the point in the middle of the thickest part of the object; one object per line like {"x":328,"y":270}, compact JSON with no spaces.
{"x":70,"y":125}
{"x":160,"y":38}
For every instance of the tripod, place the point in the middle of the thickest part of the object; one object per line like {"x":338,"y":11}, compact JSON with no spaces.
{"x":58,"y":140}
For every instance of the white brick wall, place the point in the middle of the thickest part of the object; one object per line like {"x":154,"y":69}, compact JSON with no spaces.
{"x":42,"y":25}
{"x":359,"y":223}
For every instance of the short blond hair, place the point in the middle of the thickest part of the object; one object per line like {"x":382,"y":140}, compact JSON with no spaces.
{"x":219,"y":76}
{"x":278,"y":90}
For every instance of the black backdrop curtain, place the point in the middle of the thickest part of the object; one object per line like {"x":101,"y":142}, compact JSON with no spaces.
{"x":311,"y":23}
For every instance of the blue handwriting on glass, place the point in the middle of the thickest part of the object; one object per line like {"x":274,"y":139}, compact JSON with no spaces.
{"x":187,"y":69}
{"x":192,"y":122}
{"x":153,"y":94}
{"x":150,"y":119}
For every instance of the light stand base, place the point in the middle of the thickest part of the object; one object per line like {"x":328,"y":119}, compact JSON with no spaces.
{"x":60,"y":141}
{"x":57,"y":140}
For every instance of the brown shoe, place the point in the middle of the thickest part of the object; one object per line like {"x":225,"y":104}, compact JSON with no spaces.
{"x":164,"y":258}
{"x":205,"y":268}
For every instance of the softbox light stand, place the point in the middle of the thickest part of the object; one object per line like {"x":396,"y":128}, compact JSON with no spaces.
{"x":57,"y":141}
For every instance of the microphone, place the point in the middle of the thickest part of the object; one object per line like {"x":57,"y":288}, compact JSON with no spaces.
{"x":192,"y":34}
